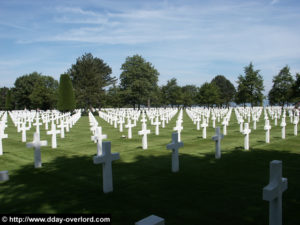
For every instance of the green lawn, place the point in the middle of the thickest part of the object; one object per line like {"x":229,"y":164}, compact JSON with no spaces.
{"x":204,"y":191}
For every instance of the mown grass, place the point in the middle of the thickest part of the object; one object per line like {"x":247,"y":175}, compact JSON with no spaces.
{"x":204,"y":191}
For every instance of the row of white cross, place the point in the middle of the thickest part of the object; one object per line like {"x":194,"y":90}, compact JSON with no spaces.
{"x":66,"y":121}
{"x":36,"y":143}
{"x":271,"y":193}
{"x":117,"y":116}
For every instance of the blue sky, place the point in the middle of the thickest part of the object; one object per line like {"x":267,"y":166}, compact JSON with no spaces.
{"x":190,"y":40}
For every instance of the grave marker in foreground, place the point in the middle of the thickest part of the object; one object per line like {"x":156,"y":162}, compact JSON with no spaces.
{"x":106,"y":159}
{"x":174,"y":146}
{"x":217,"y":138}
{"x":273,"y":192}
{"x":151,"y":220}
{"x":36,"y":144}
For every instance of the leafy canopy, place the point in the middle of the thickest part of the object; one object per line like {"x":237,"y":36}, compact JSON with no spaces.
{"x":250,"y":87}
{"x":226,"y":88}
{"x":90,"y":75}
{"x":34,"y":90}
{"x":138,"y":80}
{"x":281,"y":92}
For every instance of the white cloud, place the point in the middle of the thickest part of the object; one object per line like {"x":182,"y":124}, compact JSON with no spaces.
{"x":183,"y":37}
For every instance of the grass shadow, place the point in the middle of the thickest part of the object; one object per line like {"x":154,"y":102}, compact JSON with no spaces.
{"x":204,"y":191}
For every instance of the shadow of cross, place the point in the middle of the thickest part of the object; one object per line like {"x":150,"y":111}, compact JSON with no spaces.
{"x":273,"y":192}
{"x":174,"y":146}
{"x":106,"y":159}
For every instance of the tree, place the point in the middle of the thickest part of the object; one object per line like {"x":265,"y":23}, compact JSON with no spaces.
{"x":138,"y":80}
{"x":113,"y":97}
{"x":189,"y":95}
{"x":250,"y":87}
{"x":171,"y":93}
{"x":3,"y":93}
{"x":35,"y":91}
{"x":23,"y":87}
{"x":281,"y":92}
{"x":296,"y":89}
{"x":226,"y":88}
{"x":44,"y":94}
{"x":66,"y":98}
{"x":209,"y":94}
{"x":89,"y":77}
{"x":8,"y":101}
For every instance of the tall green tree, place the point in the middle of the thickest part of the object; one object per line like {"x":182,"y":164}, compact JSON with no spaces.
{"x":23,"y":88}
{"x":44,"y":94}
{"x":3,"y":93}
{"x":209,"y":94}
{"x":34,"y":90}
{"x":90,"y":75}
{"x":250,"y":87}
{"x":66,"y":97}
{"x":8,"y":101}
{"x":172,"y":93}
{"x":226,"y":88}
{"x":281,"y":92}
{"x":138,"y":80}
{"x":296,"y":89}
{"x":189,"y":95}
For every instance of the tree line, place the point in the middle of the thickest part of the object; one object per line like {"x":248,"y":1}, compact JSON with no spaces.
{"x":89,"y":83}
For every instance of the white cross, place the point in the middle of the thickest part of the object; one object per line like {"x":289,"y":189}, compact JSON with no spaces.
{"x":99,"y":139}
{"x":115,"y":122}
{"x":106,"y":159}
{"x":18,"y":123}
{"x":67,"y":125}
{"x":156,"y":124}
{"x":213,"y":121}
{"x":163,"y":119}
{"x":204,"y":125}
{"x":143,"y":120}
{"x":198,"y":119}
{"x":24,"y":129}
{"x":144,"y":132}
{"x":46,"y":122}
{"x":178,"y":128}
{"x":37,"y":124}
{"x":174,"y":146}
{"x":36,"y":144}
{"x":129,"y":125}
{"x":296,"y":121}
{"x":246,"y":132}
{"x":62,"y":128}
{"x":273,"y":192}
{"x":254,"y":122}
{"x":283,"y":125}
{"x":121,"y":121}
{"x":225,"y":124}
{"x":241,"y":121}
{"x":53,"y":132}
{"x":217,"y":138}
{"x":267,"y":128}
{"x":2,"y":135}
